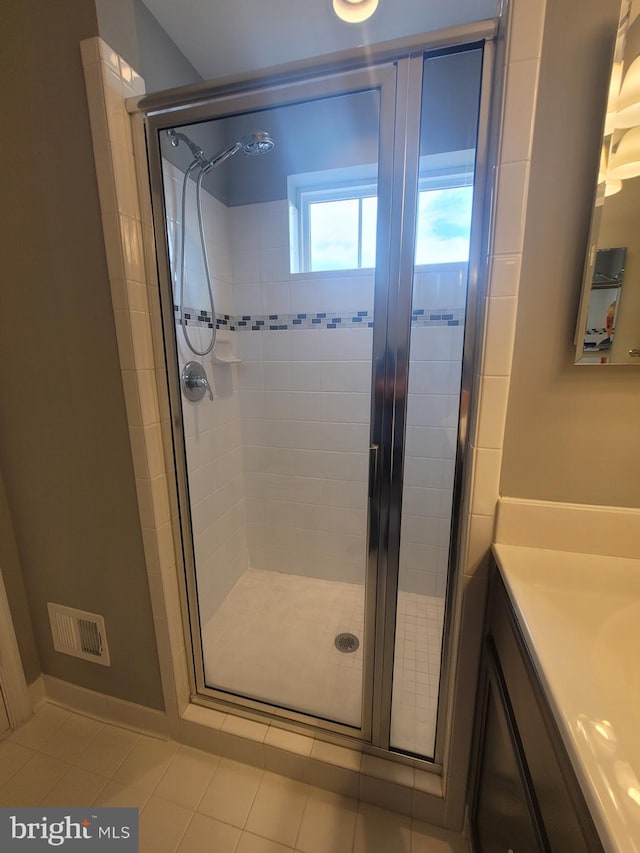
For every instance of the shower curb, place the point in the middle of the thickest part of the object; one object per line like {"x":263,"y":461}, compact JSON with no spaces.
{"x":349,"y":770}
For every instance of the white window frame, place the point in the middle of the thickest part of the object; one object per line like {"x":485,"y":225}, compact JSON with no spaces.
{"x":440,"y":171}
{"x":318,"y":195}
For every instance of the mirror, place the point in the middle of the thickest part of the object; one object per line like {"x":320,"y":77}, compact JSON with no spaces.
{"x":608,"y":328}
{"x":604,"y":300}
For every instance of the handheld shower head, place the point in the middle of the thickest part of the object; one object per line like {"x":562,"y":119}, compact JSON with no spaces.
{"x":258,"y":142}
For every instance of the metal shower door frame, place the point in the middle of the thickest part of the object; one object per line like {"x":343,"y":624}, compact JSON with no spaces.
{"x":397,"y":376}
{"x":390,"y":380}
{"x":398,"y":77}
{"x":383,"y":79}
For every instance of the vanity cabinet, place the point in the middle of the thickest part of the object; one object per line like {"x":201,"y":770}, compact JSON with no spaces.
{"x":525,"y":796}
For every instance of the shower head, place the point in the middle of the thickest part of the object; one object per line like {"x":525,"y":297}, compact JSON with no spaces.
{"x":258,"y":142}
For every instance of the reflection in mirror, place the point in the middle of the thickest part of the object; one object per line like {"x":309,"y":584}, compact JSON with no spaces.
{"x":604,"y":299}
{"x":606,"y":306}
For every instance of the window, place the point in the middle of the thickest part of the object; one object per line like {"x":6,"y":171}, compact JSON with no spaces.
{"x":334,"y":219}
{"x":339,"y":228}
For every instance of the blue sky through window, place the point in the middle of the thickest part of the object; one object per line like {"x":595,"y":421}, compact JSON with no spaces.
{"x":444,"y":225}
{"x":333,"y":229}
{"x":342,"y":232}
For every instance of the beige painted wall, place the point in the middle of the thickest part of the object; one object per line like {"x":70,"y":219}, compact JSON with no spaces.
{"x":64,"y":446}
{"x":571,"y":432}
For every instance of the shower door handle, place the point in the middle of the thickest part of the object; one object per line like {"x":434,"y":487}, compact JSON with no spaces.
{"x":374,"y":518}
{"x":373,"y":469}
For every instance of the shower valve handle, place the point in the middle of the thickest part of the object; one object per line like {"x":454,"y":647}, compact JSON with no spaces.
{"x":194,"y":382}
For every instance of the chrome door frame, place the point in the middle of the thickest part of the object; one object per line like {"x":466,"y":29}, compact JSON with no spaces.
{"x":383,"y":79}
{"x":477,"y":277}
{"x":394,"y":357}
{"x":394,"y":404}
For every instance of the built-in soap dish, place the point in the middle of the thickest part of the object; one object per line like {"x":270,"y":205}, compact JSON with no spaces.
{"x":223,"y":352}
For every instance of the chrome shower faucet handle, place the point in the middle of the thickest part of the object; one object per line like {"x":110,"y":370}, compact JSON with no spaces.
{"x":194,"y":382}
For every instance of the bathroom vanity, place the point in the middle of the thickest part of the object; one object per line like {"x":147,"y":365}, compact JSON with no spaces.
{"x":556,"y":743}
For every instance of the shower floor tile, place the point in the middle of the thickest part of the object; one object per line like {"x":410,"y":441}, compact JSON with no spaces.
{"x":416,"y":674}
{"x":273,"y":637}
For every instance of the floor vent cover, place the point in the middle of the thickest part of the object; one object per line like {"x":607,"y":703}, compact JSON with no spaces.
{"x":78,"y":633}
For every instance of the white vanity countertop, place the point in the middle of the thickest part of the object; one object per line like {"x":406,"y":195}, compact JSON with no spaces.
{"x":580,"y":615}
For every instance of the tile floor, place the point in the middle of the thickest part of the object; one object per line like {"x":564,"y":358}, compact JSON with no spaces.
{"x":191,"y":801}
{"x":273,"y":630}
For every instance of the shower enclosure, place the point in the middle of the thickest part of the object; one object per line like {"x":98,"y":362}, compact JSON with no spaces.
{"x":316,"y":303}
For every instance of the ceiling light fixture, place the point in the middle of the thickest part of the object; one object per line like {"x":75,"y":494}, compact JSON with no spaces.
{"x":614,"y":93}
{"x":628,"y":103}
{"x":625,"y":160}
{"x":604,"y":165}
{"x":354,"y":11}
{"x":612,"y":186}
{"x":606,"y":185}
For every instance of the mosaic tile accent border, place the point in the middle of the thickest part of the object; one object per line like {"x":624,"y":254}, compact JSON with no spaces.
{"x":437,"y":317}
{"x":311,"y":320}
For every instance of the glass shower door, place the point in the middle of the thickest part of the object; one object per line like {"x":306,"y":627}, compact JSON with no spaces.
{"x":434,"y":396}
{"x":277,"y":461}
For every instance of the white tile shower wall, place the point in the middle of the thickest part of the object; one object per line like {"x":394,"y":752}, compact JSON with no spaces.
{"x":306,"y":437}
{"x":432,"y":418}
{"x":211,"y":427}
{"x":305,"y":403}
{"x":431,"y":436}
{"x":305,"y":398}
{"x":216,"y":230}
{"x":214,"y":463}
